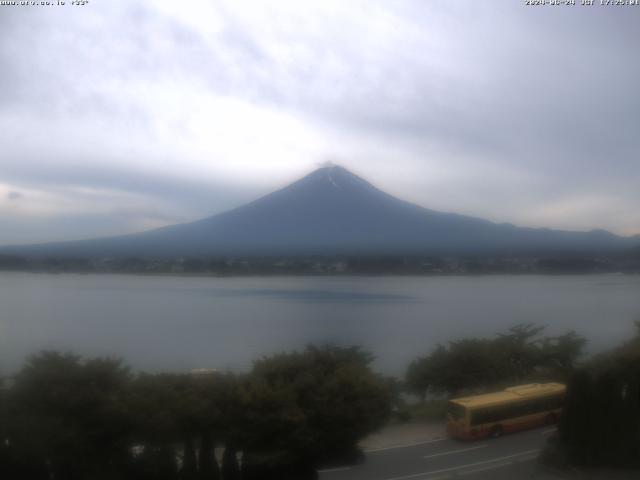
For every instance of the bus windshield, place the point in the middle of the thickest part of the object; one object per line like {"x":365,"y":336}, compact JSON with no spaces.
{"x":456,"y":411}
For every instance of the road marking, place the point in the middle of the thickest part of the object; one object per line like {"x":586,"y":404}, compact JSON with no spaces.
{"x":405,"y":445}
{"x":550,"y":430}
{"x":460,"y":467}
{"x":484,"y":469}
{"x":331,"y":470}
{"x":451,"y":452}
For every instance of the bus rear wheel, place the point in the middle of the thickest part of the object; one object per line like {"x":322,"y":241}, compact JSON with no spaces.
{"x":496,"y":431}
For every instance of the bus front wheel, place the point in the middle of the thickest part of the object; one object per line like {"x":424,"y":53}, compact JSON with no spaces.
{"x":496,"y":431}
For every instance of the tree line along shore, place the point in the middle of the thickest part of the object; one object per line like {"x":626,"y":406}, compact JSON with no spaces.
{"x":331,"y":265}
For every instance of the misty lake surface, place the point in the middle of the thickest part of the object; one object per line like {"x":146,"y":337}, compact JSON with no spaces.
{"x":180,"y":323}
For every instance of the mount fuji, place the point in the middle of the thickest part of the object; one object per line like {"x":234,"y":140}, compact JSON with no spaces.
{"x":332,"y":211}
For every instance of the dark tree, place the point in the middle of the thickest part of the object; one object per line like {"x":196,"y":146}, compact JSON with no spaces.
{"x":155,"y":463}
{"x":189,"y":461}
{"x":165,"y":412}
{"x":230,"y":467}
{"x":207,"y":464}
{"x":71,"y":415}
{"x":312,"y":407}
{"x":600,"y":424}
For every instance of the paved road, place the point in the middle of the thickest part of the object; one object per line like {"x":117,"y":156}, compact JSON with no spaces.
{"x":511,"y":457}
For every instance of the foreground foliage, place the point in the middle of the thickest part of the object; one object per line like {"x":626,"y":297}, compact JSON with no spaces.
{"x":67,"y":418}
{"x":600,"y":425}
{"x":322,"y":401}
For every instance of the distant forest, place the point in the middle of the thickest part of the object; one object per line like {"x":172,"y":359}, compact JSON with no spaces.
{"x":330,"y":265}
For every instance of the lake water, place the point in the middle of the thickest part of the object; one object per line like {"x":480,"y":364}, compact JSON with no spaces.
{"x":180,"y":323}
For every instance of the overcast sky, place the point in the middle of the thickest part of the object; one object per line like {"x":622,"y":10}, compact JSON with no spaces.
{"x":120,"y":116}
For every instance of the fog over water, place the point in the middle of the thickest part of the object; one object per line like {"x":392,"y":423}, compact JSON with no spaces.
{"x":179,"y":323}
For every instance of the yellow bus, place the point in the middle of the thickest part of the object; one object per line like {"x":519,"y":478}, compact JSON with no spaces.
{"x":513,"y":409}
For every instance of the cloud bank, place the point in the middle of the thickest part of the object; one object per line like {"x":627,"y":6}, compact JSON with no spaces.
{"x":121,"y":116}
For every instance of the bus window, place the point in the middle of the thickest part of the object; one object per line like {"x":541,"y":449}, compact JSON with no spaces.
{"x":503,"y":412}
{"x":490,"y":415}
